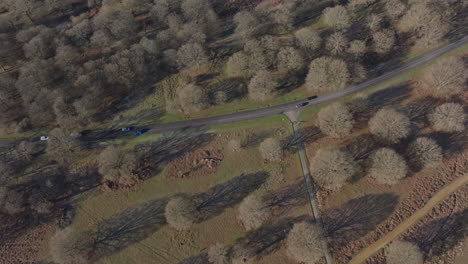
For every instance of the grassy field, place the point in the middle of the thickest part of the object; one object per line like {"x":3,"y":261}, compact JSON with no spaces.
{"x":162,"y":244}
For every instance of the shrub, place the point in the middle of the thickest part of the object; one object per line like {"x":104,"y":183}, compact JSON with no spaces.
{"x":336,"y":43}
{"x":327,"y":74}
{"x":271,"y":149}
{"x":180,"y":213}
{"x":304,"y":243}
{"x":69,"y":246}
{"x":332,"y":167}
{"x":253,"y":212}
{"x":308,"y":39}
{"x":403,"y":252}
{"x":446,"y":77}
{"x":238,"y":65}
{"x":262,"y":86}
{"x":424,"y":152}
{"x":449,"y":117}
{"x":290,"y":59}
{"x":335,"y":120}
{"x":234,"y":145}
{"x":336,"y":17}
{"x":387,"y":166}
{"x":390,"y":125}
{"x":218,"y":254}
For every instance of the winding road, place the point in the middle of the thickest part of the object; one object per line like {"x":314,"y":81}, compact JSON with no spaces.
{"x":278,"y":109}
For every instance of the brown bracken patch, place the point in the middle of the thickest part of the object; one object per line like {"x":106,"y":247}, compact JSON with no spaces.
{"x":196,"y":163}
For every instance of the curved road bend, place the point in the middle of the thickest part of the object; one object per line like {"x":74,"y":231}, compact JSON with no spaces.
{"x":278,"y":109}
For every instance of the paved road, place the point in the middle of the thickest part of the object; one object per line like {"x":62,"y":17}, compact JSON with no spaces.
{"x":278,"y":109}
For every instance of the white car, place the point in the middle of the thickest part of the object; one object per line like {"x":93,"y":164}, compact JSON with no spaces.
{"x":75,"y":134}
{"x":44,"y":138}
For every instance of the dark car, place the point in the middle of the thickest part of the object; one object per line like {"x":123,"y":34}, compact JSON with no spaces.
{"x":312,"y":97}
{"x":138,"y":132}
{"x":302,"y":104}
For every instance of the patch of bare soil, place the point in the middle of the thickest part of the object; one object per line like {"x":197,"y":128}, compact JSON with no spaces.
{"x":200,"y":162}
{"x":28,"y":248}
{"x":424,"y":184}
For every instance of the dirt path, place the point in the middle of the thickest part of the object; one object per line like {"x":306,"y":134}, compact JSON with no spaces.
{"x":403,"y":226}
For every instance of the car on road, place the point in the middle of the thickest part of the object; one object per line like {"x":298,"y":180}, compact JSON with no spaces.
{"x":312,"y":97}
{"x":138,"y":132}
{"x":126,"y":129}
{"x":44,"y":138}
{"x":302,"y":104}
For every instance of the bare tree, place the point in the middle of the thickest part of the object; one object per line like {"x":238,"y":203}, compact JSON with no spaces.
{"x":192,"y":98}
{"x":446,"y":77}
{"x":403,"y":252}
{"x":118,"y":23}
{"x":6,"y":171}
{"x":337,"y":43}
{"x":335,"y":120}
{"x":390,"y":125}
{"x":290,"y":59}
{"x":61,"y":146}
{"x":242,"y":255}
{"x":11,"y":201}
{"x":449,"y":117}
{"x":218,"y":254}
{"x":337,"y":17}
{"x":332,"y":167}
{"x":271,"y":149}
{"x":117,"y":167}
{"x":394,"y":8}
{"x":327,"y":74}
{"x":357,"y":47}
{"x":374,"y":22}
{"x":388,"y":167}
{"x":191,"y":54}
{"x":253,"y":212}
{"x":304,"y":243}
{"x":308,"y":39}
{"x":181,"y":213}
{"x":246,"y":23}
{"x":425,"y":152}
{"x":26,"y":7}
{"x":262,"y":86}
{"x":238,"y":65}
{"x":69,"y":246}
{"x":383,"y":41}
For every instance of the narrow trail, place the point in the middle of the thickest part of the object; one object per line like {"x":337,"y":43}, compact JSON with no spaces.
{"x":403,"y":226}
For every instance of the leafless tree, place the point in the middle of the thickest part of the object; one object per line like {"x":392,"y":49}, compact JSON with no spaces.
{"x":383,"y":41}
{"x":388,"y":167}
{"x":181,"y":212}
{"x":390,"y":125}
{"x":332,"y":167}
{"x":374,"y":22}
{"x":335,"y":120}
{"x":446,"y":77}
{"x":290,"y":59}
{"x":262,"y":86}
{"x":218,"y":254}
{"x":308,"y":39}
{"x":357,"y":47}
{"x":425,"y":152}
{"x":61,"y":146}
{"x":337,"y":43}
{"x":246,"y":23}
{"x":327,"y":74}
{"x":449,"y":117}
{"x":238,"y":65}
{"x":192,"y":98}
{"x":11,"y":201}
{"x":191,"y":54}
{"x":69,"y":246}
{"x":403,"y":252}
{"x":394,"y":8}
{"x":337,"y":17}
{"x":118,"y":23}
{"x":253,"y":212}
{"x":271,"y":149}
{"x":117,"y":167}
{"x":304,"y":243}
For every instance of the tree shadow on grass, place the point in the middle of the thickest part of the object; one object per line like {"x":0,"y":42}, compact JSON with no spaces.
{"x":441,"y":234}
{"x":360,"y":149}
{"x":253,"y":139}
{"x":418,"y":109}
{"x":283,"y":200}
{"x":221,"y":196}
{"x":358,"y":217}
{"x":303,"y":136}
{"x":129,"y":226}
{"x":451,"y":143}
